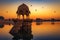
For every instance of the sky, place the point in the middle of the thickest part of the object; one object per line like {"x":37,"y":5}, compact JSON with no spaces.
{"x":44,"y":9}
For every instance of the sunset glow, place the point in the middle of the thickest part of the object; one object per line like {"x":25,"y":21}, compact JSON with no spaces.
{"x":45,"y":15}
{"x":41,"y":10}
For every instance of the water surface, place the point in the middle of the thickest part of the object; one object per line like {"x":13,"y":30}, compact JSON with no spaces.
{"x":44,"y":31}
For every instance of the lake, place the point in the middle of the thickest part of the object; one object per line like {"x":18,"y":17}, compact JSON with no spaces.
{"x":44,"y":31}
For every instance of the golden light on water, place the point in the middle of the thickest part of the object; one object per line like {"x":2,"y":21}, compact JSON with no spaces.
{"x":37,"y":30}
{"x":45,"y":29}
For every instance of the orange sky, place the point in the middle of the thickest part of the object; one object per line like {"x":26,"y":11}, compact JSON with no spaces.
{"x":44,"y":11}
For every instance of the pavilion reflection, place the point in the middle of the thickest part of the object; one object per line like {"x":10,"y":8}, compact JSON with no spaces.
{"x":22,"y":30}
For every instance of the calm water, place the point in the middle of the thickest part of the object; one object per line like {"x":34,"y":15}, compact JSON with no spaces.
{"x":44,"y":31}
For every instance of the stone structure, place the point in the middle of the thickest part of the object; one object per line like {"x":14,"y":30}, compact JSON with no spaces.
{"x":23,"y":10}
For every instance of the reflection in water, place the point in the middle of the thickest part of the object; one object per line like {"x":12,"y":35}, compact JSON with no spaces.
{"x":22,"y":30}
{"x":43,"y":31}
{"x":38,"y":23}
{"x":46,"y":31}
{"x":52,"y":23}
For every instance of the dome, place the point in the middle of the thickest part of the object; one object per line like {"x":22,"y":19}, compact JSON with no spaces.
{"x":23,"y":10}
{"x":23,"y":6}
